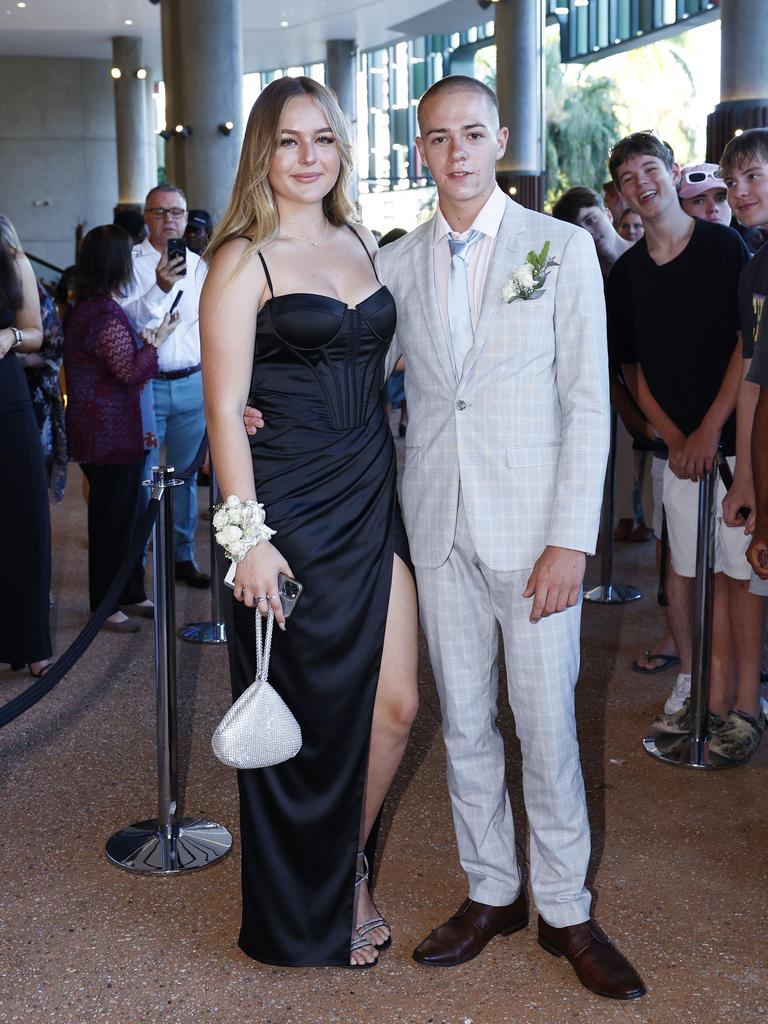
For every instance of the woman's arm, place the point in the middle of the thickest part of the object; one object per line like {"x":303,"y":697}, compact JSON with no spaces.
{"x":229,"y":307}
{"x":27,"y":318}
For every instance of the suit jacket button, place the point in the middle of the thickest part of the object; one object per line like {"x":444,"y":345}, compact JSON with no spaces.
{"x":461,"y":406}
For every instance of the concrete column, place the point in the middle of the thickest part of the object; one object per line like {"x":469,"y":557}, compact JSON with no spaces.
{"x":340,"y":74}
{"x":203,"y":73}
{"x":743,"y":73}
{"x":131,"y":122}
{"x":520,"y":87}
{"x":744,"y":50}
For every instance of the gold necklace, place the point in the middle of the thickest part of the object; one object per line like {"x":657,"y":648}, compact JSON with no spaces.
{"x":301,"y":238}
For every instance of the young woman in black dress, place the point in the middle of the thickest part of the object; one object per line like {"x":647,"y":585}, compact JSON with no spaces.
{"x":25,"y":524}
{"x":294,"y":317}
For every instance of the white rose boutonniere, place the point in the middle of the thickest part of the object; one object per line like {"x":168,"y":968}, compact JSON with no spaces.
{"x":528,"y":281}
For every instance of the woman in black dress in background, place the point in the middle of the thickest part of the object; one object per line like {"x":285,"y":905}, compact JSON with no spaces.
{"x":25,"y":525}
{"x":294,"y":316}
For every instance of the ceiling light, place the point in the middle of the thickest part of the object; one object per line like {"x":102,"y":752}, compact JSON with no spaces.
{"x":141,"y":73}
{"x":183,"y":130}
{"x":560,"y":9}
{"x":128,"y":21}
{"x":21,"y":4}
{"x":283,"y":24}
{"x":512,"y":190}
{"x":116,"y":72}
{"x":739,"y":131}
{"x":226,"y":128}
{"x":580,"y":3}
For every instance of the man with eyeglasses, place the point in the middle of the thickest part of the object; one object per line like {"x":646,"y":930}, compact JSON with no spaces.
{"x":178,"y":388}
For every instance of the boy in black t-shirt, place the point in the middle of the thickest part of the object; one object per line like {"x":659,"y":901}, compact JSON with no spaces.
{"x":673,"y":325}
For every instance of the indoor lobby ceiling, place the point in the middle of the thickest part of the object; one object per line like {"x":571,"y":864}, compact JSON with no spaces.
{"x":275,"y":34}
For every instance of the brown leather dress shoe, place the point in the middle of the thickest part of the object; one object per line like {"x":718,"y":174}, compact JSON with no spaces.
{"x":599,"y":966}
{"x":469,"y":931}
{"x":189,"y":573}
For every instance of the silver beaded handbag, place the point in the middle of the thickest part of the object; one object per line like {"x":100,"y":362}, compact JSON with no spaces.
{"x":259,"y":729}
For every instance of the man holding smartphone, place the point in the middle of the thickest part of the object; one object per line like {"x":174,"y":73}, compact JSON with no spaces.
{"x":167,"y":274}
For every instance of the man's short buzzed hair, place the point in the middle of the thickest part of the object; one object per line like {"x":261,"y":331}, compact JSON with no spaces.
{"x":639,"y":144}
{"x":457,"y":83}
{"x":165,"y":186}
{"x":744,"y":150}
{"x":570,"y":203}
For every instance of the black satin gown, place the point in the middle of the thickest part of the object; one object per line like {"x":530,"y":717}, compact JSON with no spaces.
{"x":324,"y":467}
{"x":25,"y":522}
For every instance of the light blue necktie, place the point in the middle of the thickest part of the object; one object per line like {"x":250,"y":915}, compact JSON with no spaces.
{"x":459,"y":310}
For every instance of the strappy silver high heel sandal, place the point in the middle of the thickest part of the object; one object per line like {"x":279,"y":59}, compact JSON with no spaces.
{"x":364,"y":929}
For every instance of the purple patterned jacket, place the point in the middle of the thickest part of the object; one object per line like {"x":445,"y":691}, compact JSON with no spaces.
{"x":104,"y":373}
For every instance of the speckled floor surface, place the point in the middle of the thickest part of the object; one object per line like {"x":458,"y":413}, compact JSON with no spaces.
{"x":679,"y":864}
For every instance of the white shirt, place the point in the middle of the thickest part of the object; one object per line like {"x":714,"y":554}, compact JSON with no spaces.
{"x":488,"y":221}
{"x":146,"y":303}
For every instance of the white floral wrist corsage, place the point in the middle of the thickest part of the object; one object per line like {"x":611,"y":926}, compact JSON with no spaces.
{"x":240,"y":526}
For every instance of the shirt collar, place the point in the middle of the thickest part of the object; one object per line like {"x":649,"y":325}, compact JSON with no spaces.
{"x":488,"y":221}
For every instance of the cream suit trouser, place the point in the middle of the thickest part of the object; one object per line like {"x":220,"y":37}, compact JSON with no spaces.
{"x":463,"y":603}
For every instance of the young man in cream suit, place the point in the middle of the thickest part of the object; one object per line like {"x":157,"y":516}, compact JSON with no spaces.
{"x":505,"y":457}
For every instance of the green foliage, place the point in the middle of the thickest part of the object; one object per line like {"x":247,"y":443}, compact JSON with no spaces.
{"x":581,"y":127}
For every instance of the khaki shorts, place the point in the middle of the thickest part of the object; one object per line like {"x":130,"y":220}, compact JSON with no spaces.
{"x":681,"y":503}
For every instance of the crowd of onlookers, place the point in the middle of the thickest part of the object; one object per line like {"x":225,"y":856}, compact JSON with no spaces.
{"x":686,"y":272}
{"x":684,"y":305}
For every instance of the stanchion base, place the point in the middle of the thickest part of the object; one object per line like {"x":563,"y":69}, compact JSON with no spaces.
{"x":612,"y":595}
{"x":204,"y":633}
{"x":146,"y":848}
{"x":685,"y":752}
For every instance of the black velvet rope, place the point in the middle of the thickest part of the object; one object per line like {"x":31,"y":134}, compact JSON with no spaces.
{"x":24,"y":701}
{"x":197,"y":462}
{"x":21,"y":703}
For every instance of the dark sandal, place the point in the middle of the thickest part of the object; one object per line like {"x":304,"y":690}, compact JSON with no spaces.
{"x":359,"y":934}
{"x":667,"y":661}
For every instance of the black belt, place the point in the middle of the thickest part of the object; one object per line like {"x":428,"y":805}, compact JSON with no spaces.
{"x":178,"y":374}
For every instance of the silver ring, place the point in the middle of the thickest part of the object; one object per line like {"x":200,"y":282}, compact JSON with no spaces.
{"x":261,"y":597}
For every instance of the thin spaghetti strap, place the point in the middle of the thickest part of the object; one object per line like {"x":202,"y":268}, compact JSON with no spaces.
{"x":367,"y":253}
{"x":266,"y":272}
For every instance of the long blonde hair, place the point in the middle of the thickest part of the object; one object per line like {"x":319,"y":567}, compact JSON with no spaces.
{"x":252,"y":209}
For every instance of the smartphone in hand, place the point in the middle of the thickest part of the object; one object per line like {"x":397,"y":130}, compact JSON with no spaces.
{"x":178,"y":247}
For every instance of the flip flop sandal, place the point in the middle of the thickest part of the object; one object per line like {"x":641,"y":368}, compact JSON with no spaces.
{"x":667,"y":661}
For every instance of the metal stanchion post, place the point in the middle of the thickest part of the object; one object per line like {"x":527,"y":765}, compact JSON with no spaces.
{"x":170,"y":843}
{"x":608,"y":592}
{"x":213,"y":632}
{"x":692,"y":750}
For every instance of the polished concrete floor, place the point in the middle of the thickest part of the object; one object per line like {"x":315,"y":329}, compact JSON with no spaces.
{"x":678,"y":870}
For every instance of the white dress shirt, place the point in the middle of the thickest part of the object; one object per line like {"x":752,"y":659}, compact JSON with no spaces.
{"x":478,"y":258}
{"x":146,"y":303}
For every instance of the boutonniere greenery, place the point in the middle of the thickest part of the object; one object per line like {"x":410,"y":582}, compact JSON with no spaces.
{"x":528,"y":281}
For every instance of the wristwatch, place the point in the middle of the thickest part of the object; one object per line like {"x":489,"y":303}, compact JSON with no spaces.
{"x":19,"y":338}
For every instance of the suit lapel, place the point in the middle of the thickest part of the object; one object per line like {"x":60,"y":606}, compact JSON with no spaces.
{"x":423,"y":264}
{"x":508,"y":254}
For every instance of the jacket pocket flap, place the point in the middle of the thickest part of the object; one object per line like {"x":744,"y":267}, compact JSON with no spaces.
{"x":527,"y":456}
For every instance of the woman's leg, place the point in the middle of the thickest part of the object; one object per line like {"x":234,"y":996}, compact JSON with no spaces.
{"x":393,"y":714}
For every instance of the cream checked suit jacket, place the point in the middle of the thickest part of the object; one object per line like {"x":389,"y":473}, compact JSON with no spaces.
{"x":525,"y":432}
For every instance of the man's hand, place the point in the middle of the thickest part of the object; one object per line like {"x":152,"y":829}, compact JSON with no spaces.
{"x":252,"y":419}
{"x":757,"y":552}
{"x":167,"y":273}
{"x":555,"y":581}
{"x":692,"y":459}
{"x":741,"y":495}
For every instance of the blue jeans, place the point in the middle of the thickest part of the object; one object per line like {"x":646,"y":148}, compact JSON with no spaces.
{"x":180,"y":427}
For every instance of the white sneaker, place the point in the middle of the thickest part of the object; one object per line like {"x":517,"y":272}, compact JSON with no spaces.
{"x":680,"y":691}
